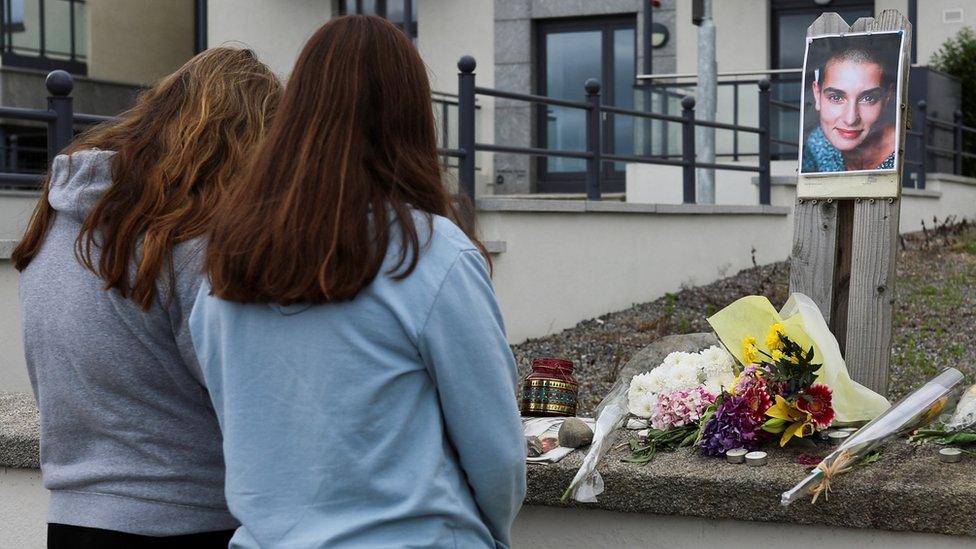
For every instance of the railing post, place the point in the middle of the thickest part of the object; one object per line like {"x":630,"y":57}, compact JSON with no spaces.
{"x":765,"y":139}
{"x":688,"y":148}
{"x":594,"y":164}
{"x":466,"y":133}
{"x":59,"y":133}
{"x":923,"y":142}
{"x":957,"y":142}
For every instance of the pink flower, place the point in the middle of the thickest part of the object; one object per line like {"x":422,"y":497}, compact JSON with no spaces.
{"x":679,"y":408}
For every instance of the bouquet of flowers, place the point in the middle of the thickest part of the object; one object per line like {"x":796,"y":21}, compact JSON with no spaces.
{"x":776,"y":393}
{"x":959,"y":429}
{"x":673,"y":397}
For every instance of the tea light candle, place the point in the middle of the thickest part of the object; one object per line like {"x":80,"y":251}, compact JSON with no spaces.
{"x":838,"y":437}
{"x":756,"y":459}
{"x":950,"y":455}
{"x":738,"y":455}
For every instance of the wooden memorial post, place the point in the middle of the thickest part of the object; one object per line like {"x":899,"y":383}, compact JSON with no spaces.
{"x":846,"y":232}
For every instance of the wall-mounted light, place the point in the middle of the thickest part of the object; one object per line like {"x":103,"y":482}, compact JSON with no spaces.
{"x":821,"y":2}
{"x":659,"y":35}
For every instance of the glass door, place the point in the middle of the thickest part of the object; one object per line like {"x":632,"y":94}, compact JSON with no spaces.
{"x":570,"y":53}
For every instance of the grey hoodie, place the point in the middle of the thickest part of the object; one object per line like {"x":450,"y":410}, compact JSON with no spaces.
{"x":129,"y":439}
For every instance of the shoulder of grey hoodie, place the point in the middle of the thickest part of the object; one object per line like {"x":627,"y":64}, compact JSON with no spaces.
{"x":77,"y":182}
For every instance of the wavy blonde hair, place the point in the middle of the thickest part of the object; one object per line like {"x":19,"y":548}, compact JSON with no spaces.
{"x":178,"y":150}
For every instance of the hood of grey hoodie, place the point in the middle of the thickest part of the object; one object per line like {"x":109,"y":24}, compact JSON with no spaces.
{"x":79,"y":180}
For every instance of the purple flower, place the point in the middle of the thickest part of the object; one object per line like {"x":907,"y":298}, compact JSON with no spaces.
{"x":734,"y":425}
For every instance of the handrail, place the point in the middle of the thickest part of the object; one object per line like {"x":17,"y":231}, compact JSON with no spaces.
{"x":784,"y":105}
{"x":530,"y":97}
{"x":720,"y":74}
{"x":532,"y":151}
{"x":28,"y":114}
{"x":642,"y":114}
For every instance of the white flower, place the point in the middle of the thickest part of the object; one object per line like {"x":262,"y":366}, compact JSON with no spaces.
{"x":715,"y":355}
{"x":656,"y":380}
{"x":683,"y":376}
{"x":642,"y":406}
{"x":639,"y":385}
{"x":673,"y":359}
{"x":714,"y":384}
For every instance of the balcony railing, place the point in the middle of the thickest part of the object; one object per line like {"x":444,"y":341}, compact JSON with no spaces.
{"x":44,"y":34}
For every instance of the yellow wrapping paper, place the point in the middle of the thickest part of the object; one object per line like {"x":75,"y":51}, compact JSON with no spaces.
{"x":804,"y":324}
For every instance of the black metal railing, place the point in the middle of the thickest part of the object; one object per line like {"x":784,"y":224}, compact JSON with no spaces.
{"x":924,"y":153}
{"x":782,"y":135}
{"x":60,"y":120}
{"x":594,"y":155}
{"x":26,"y":42}
{"x":59,"y":123}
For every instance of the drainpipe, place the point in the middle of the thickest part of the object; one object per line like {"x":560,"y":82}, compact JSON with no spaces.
{"x":707,"y":92}
{"x":913,"y":19}
{"x":199,"y":25}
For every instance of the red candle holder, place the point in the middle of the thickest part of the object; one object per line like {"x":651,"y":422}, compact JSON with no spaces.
{"x":551,"y":389}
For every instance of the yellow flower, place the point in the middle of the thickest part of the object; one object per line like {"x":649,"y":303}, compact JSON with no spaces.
{"x":750,"y":353}
{"x":750,"y":341}
{"x":799,"y":423}
{"x":773,"y":341}
{"x":777,"y":355}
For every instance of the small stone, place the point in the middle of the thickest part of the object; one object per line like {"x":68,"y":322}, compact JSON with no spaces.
{"x":534,"y":446}
{"x":573,"y":433}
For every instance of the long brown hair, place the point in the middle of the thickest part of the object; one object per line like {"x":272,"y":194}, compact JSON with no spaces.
{"x":178,"y":150}
{"x":350,"y":155}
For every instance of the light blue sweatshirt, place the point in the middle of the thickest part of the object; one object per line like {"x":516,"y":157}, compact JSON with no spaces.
{"x":388,"y":420}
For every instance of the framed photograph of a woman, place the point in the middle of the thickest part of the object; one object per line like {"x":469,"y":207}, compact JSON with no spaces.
{"x":850,"y":116}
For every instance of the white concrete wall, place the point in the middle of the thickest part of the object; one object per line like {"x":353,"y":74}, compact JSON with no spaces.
{"x":23,"y":509}
{"x":275,"y":29}
{"x":933,"y":31}
{"x":563,"y":267}
{"x":657,"y":184}
{"x":138,"y":41}
{"x":446,"y":30}
{"x":551,"y":527}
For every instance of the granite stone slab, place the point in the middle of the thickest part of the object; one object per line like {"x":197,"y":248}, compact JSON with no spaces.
{"x":19,"y":431}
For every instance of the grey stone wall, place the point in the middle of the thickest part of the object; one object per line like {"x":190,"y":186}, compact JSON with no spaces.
{"x":515,"y":63}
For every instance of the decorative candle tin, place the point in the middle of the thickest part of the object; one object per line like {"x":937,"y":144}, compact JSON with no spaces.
{"x":550,"y":390}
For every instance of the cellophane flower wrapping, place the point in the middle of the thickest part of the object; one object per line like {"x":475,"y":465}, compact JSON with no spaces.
{"x":803,"y":321}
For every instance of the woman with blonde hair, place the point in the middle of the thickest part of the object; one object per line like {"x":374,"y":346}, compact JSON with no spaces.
{"x":110,"y":265}
{"x":352,"y":346}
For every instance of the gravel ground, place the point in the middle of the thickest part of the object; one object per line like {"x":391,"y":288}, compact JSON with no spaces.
{"x":934,"y":324}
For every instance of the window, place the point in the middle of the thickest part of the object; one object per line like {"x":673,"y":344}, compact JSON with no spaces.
{"x":568,"y":54}
{"x":44,"y":34}
{"x":392,"y":10}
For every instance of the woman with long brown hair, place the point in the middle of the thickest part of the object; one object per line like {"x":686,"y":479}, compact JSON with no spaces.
{"x":110,"y":265}
{"x":352,"y":344}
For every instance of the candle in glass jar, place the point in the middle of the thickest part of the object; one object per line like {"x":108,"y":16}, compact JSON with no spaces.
{"x":551,"y":389}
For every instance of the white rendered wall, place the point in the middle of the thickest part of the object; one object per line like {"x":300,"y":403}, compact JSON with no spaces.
{"x":560,"y":268}
{"x":23,"y":506}
{"x":547,"y":527}
{"x":275,"y":29}
{"x":23,"y":509}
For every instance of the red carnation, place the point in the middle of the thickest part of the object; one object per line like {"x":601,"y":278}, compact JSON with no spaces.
{"x":816,"y":400}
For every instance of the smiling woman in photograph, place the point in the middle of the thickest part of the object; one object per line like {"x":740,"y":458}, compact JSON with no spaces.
{"x":853,"y":96}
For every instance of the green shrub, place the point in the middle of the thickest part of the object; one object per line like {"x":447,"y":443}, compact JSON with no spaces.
{"x":957,"y":56}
